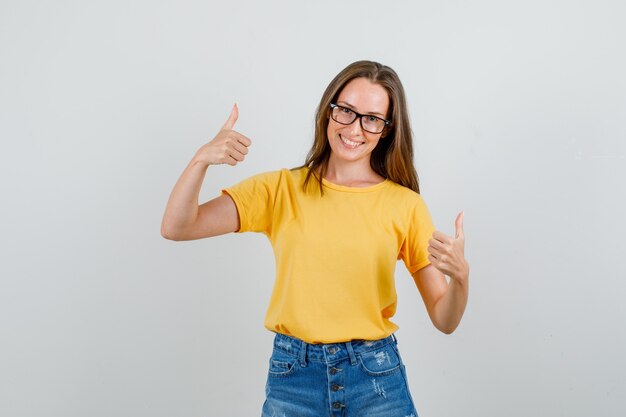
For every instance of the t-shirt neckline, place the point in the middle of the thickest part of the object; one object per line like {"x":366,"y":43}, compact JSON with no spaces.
{"x":346,"y":188}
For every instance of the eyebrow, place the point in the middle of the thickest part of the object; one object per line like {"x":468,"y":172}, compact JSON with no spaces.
{"x":346,"y":104}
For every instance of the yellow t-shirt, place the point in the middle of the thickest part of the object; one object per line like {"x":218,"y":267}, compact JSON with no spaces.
{"x":335,"y":254}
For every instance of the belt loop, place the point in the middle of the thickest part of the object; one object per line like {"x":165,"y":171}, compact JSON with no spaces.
{"x":351,"y":353}
{"x":393,"y":336}
{"x":302,"y":356}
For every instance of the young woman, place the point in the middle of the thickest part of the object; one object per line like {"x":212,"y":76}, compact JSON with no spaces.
{"x":337,"y":224}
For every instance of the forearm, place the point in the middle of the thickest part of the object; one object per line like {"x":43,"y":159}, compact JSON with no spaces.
{"x":182,"y":206}
{"x":449,"y":309}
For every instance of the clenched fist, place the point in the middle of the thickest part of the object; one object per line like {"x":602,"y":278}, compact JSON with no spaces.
{"x":447,"y":253}
{"x":228,"y":146}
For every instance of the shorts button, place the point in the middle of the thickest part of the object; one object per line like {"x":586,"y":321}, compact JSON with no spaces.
{"x":335,"y":387}
{"x":333,"y":370}
{"x":336,"y":405}
{"x":332,"y":350}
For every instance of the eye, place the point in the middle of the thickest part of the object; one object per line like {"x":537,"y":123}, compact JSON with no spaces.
{"x":372,"y":119}
{"x":345,"y":110}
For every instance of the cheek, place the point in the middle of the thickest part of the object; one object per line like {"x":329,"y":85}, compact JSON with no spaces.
{"x":329,"y":137}
{"x":330,"y":130}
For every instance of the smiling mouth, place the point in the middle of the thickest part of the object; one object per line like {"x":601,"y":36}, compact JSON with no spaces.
{"x":350,"y":143}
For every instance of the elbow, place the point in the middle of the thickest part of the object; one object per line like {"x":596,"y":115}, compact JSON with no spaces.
{"x":168,"y":237}
{"x":168,"y":234}
{"x":446,"y":328}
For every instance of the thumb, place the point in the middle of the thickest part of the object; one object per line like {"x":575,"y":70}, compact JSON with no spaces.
{"x":230,"y":123}
{"x":458,"y":223}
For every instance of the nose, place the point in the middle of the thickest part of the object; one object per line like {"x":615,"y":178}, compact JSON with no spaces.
{"x":355,"y":128}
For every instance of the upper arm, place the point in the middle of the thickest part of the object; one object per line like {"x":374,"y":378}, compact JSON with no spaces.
{"x":215,"y":217}
{"x":431,"y":284}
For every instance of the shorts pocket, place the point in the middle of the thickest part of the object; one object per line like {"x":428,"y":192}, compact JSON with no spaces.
{"x":282,"y":363}
{"x":379,"y":362}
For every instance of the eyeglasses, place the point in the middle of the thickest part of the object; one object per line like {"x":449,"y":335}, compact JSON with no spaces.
{"x":346,"y":116}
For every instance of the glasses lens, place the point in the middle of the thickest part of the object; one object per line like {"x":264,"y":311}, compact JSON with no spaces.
{"x":373,"y":124}
{"x":346,"y":116}
{"x":343,"y":115}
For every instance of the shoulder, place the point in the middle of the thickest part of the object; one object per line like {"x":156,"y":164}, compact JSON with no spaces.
{"x":405,"y":197}
{"x":265,"y":176}
{"x":273,"y":180}
{"x":282,"y":172}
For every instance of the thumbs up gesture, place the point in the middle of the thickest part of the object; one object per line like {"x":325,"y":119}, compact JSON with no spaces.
{"x":228,"y":146}
{"x":447,"y":253}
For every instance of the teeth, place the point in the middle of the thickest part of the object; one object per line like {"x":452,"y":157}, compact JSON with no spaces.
{"x":349,"y":142}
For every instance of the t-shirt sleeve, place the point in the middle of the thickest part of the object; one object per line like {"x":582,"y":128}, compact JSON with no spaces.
{"x":254,"y":198}
{"x":414,"y":249}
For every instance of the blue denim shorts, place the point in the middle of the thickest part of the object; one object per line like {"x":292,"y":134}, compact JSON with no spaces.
{"x":361,"y":378}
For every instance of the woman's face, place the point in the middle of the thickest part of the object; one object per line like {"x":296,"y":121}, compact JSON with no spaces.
{"x":351,"y":142}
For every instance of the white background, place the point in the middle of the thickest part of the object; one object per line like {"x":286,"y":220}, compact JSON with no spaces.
{"x":518,"y":113}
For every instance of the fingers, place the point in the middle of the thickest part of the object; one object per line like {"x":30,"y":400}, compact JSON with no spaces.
{"x":458,"y":224}
{"x":230,"y":123}
{"x":436,"y":245}
{"x":433,"y":258}
{"x":237,"y":146}
{"x":437,"y":251}
{"x":234,"y":114}
{"x":230,"y":154}
{"x":441,"y":246}
{"x":228,"y":147}
{"x":236,"y":155}
{"x":446,"y":252}
{"x":440,"y":259}
{"x":442,"y":237}
{"x":231,"y":161}
{"x":233,"y":137}
{"x":244,"y":140}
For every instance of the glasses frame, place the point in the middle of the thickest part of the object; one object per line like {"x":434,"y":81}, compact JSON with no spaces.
{"x":359,"y":116}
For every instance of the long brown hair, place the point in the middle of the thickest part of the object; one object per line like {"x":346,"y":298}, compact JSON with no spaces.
{"x":392,"y":158}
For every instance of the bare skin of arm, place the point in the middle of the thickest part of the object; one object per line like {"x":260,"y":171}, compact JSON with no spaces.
{"x":184,"y":218}
{"x":445,"y":302}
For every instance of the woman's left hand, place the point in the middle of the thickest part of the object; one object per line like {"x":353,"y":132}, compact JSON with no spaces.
{"x":447,"y":253}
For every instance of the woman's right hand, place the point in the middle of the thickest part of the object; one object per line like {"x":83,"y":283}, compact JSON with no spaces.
{"x":228,"y":146}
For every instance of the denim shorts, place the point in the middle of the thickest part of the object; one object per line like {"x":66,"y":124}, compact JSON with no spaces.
{"x":361,"y":378}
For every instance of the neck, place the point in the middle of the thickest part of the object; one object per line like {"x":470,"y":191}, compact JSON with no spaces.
{"x":342,"y":172}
